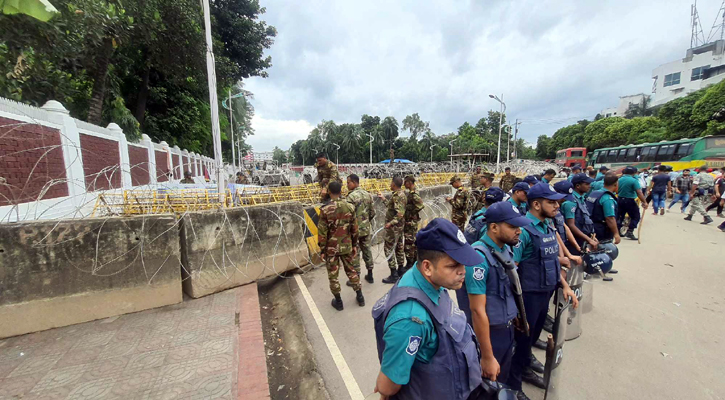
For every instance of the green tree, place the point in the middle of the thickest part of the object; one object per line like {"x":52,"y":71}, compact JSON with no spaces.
{"x":702,"y":112}
{"x":415,"y":125}
{"x":641,"y":109}
{"x":676,"y":115}
{"x":279,"y":156}
{"x":543,"y":150}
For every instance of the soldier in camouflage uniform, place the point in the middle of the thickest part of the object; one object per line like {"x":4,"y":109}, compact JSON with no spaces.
{"x":413,"y":207}
{"x":365,"y":213}
{"x":326,"y":173}
{"x":703,"y":186}
{"x":338,"y":236}
{"x":459,"y":203}
{"x":394,"y":223}
{"x":507,"y":181}
{"x":476,"y":178}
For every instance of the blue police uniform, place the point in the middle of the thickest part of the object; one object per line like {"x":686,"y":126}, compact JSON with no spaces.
{"x":423,"y":340}
{"x":602,"y":204}
{"x":580,"y":212}
{"x":539,"y":270}
{"x":490,"y":279}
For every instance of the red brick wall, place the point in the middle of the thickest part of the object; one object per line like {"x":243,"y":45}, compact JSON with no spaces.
{"x":28,"y":161}
{"x":138,"y":157}
{"x":162,"y":169}
{"x":177,"y":166}
{"x":100,"y":156}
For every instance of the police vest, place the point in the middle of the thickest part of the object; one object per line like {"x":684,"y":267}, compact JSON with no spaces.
{"x":583,"y":221}
{"x":560,"y":224}
{"x":540,"y":272}
{"x":472,"y":232}
{"x":597,"y":213}
{"x":455,"y":370}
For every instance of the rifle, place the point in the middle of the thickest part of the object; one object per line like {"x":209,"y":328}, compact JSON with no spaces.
{"x":508,"y":266}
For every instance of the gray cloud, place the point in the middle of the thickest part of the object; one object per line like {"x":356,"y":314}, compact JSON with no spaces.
{"x":552,"y":61}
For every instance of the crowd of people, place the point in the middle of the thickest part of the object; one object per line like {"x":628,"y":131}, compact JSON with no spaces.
{"x":505,"y":251}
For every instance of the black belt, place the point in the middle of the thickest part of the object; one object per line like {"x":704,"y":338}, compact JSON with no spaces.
{"x":503,"y":326}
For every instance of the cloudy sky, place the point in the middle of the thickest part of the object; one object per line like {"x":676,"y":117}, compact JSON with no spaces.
{"x":554,"y":61}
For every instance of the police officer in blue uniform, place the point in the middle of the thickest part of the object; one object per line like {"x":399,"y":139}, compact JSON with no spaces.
{"x":577,"y":216}
{"x":426,"y":348}
{"x":531,"y":180}
{"x":539,"y":265}
{"x":518,"y":197}
{"x":490,"y":307}
{"x":602,"y":206}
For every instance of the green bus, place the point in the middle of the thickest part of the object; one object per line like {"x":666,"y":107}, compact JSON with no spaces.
{"x":680,"y":154}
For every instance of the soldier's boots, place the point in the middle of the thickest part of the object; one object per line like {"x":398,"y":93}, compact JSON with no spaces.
{"x":337,"y":302}
{"x":520,"y":395}
{"x":708,"y":219}
{"x":531,"y":377}
{"x":536,"y":365}
{"x":393,"y":276}
{"x":369,"y":276}
{"x":688,"y":218}
{"x":630,"y":235}
{"x":360,"y":298}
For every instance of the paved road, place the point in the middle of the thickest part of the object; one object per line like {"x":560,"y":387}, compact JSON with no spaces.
{"x":655,"y":332}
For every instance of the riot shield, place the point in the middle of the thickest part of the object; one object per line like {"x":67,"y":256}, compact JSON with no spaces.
{"x":575,"y":278}
{"x":555,"y":348}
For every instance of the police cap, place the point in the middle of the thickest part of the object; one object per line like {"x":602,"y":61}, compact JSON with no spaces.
{"x":581,"y":178}
{"x":441,"y":235}
{"x":565,"y":188}
{"x":543,"y":191}
{"x":520,"y":186}
{"x":506,"y":212}
{"x":455,"y":178}
{"x":603,"y":168}
{"x":629,"y":170}
{"x":494,"y":195}
{"x":531,"y":179}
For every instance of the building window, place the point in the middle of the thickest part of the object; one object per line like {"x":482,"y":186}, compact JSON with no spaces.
{"x":672,"y":79}
{"x":697,"y":73}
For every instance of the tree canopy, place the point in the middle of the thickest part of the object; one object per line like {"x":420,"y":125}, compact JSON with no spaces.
{"x":138,"y":63}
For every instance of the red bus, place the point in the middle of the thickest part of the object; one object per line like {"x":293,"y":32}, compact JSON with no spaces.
{"x":572,"y":156}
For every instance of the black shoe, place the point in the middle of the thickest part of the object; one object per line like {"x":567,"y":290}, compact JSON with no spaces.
{"x":360,"y":299}
{"x":708,"y":219}
{"x":540,"y":344}
{"x":536,"y":365}
{"x":549,"y":324}
{"x":688,"y":218}
{"x":392,"y":278}
{"x":607,"y":278}
{"x":520,"y":395}
{"x":337,"y":303}
{"x":630,"y":235}
{"x":613,"y":271}
{"x":369,"y":277}
{"x":721,"y":227}
{"x":529,"y":376}
{"x":349,"y":283}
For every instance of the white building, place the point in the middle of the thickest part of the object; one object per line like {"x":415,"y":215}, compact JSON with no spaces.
{"x":701,"y":67}
{"x":624,"y":102}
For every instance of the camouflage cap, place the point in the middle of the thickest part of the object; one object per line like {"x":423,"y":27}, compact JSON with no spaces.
{"x":455,"y":178}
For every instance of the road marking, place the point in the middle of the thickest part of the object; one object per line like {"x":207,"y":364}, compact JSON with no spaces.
{"x":350,"y":383}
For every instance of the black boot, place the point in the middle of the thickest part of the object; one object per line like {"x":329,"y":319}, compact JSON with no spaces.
{"x":548,"y":325}
{"x":540,"y":344}
{"x":708,"y":219}
{"x":536,"y":365}
{"x":337,"y":302}
{"x":520,"y":395}
{"x":529,"y":376}
{"x":369,"y":276}
{"x":393,"y":276}
{"x":360,"y":298}
{"x":630,"y":235}
{"x":688,"y":218}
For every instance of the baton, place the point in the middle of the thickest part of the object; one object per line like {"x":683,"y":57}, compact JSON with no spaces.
{"x":508,"y":266}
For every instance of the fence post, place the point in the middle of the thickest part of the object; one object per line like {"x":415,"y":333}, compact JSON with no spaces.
{"x":123,"y":151}
{"x":146,"y":140}
{"x":71,"y":144}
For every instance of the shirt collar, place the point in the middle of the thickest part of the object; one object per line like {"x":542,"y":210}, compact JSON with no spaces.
{"x":535,"y":220}
{"x":426,"y":286}
{"x":487,"y":239}
{"x":579,"y":196}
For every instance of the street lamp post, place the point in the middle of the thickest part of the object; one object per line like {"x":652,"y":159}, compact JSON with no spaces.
{"x":337,"y":153}
{"x":372,"y":139}
{"x":431,"y":152}
{"x":500,"y":121}
{"x":451,"y":144}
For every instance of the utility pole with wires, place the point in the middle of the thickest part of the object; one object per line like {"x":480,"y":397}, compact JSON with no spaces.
{"x":516,"y":132}
{"x":231,"y":128}
{"x":213,"y":102}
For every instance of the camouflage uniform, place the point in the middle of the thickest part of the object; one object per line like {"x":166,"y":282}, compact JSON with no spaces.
{"x":413,"y":207}
{"x":459,"y":205}
{"x":327,"y":173}
{"x":394,"y":234}
{"x":338,"y":236}
{"x":365,"y":213}
{"x":507,"y":183}
{"x":704,"y":182}
{"x":476,"y":180}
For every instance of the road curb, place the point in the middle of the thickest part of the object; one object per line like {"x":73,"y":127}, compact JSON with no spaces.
{"x":252,"y":380}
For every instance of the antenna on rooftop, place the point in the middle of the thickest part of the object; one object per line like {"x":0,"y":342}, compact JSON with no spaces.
{"x":698,"y":37}
{"x":718,"y":25}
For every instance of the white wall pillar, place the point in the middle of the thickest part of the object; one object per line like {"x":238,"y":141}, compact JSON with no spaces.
{"x":71,"y":144}
{"x":146,"y":140}
{"x":123,"y":151}
{"x":176,"y":151}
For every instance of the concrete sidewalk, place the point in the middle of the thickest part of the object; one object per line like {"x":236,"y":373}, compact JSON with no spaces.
{"x":207,"y":348}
